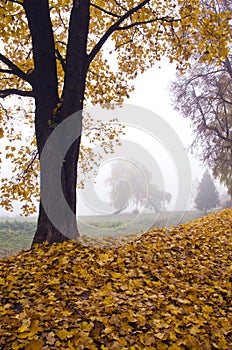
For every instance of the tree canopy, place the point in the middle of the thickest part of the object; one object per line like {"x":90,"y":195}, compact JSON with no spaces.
{"x":55,"y":55}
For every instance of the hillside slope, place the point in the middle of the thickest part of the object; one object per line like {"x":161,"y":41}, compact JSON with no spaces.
{"x":166,"y":289}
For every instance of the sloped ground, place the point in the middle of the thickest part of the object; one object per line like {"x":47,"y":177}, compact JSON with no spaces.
{"x":166,"y":289}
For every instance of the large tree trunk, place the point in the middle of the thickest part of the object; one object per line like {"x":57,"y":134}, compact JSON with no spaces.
{"x":46,"y":99}
{"x":56,"y":223}
{"x":46,"y":231}
{"x":64,"y":227}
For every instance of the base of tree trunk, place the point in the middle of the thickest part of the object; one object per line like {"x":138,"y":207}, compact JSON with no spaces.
{"x":50,"y":235}
{"x":47,"y":232}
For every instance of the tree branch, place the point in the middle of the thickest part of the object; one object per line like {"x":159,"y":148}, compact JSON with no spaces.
{"x":16,"y":70}
{"x":137,"y":23}
{"x":34,"y":155}
{"x":122,"y":7}
{"x":105,"y":11}
{"x":191,"y":79}
{"x":8,"y":71}
{"x":164,"y":19}
{"x":227,"y":64}
{"x":112,"y":29}
{"x":122,"y":44}
{"x":208,"y":127}
{"x":8,"y":92}
{"x":60,"y":58}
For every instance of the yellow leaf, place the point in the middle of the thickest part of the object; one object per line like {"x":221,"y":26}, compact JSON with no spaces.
{"x":175,"y":347}
{"x":207,"y":308}
{"x":63,"y":334}
{"x":35,"y":344}
{"x":34,"y":328}
{"x":25,"y":326}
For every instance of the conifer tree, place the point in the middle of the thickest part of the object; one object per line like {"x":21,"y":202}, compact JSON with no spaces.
{"x":207,"y":196}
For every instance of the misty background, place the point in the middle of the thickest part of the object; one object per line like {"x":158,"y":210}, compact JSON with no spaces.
{"x":151,"y":92}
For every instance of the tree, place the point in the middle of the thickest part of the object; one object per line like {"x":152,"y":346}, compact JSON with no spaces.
{"x":204,"y":96}
{"x":53,"y":56}
{"x":207,"y":196}
{"x":130,"y":185}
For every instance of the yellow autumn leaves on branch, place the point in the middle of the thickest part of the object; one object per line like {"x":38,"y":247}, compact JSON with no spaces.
{"x":178,"y":30}
{"x":165,"y":289}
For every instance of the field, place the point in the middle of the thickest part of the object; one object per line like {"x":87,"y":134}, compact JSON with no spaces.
{"x":17,"y":234}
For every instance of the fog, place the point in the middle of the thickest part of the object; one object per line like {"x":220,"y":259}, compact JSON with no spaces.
{"x":151,"y":92}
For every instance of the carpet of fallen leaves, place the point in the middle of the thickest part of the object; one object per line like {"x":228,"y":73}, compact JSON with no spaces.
{"x":165,"y":289}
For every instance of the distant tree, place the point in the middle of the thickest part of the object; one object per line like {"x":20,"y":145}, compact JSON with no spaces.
{"x":204,"y":96}
{"x":130,"y":184}
{"x":207,"y":196}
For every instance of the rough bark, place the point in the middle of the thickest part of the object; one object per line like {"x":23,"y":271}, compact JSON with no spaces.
{"x":46,"y":98}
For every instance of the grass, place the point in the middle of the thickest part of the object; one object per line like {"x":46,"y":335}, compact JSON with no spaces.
{"x":99,"y":226}
{"x":17,"y":234}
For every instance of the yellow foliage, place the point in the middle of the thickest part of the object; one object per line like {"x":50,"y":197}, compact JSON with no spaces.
{"x":177,"y":29}
{"x":163,"y":289}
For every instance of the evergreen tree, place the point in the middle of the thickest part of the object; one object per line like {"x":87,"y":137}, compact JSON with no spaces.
{"x":207,"y":196}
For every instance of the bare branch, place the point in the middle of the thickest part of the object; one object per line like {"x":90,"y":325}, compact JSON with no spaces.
{"x":8,"y":92}
{"x":16,"y":70}
{"x":113,"y":28}
{"x":105,"y":11}
{"x":208,"y":127}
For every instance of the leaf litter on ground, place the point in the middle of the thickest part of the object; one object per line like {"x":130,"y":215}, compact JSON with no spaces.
{"x":164,"y":289}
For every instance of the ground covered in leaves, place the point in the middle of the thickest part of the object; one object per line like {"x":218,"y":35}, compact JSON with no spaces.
{"x":165,"y":289}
